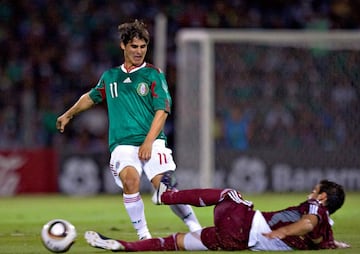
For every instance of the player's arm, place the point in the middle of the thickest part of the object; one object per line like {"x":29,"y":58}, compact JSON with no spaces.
{"x":156,"y":126}
{"x":301,"y":227}
{"x":83,"y":103}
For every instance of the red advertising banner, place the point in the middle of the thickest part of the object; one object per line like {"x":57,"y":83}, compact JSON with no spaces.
{"x":28,"y":171}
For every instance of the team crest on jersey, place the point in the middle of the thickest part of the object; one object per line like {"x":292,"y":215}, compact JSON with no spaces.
{"x":142,"y":89}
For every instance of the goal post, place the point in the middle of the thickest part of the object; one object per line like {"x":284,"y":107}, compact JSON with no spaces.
{"x":196,"y":83}
{"x":194,"y":145}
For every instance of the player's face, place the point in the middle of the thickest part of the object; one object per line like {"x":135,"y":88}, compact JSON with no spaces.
{"x":134,"y":52}
{"x":315,"y":192}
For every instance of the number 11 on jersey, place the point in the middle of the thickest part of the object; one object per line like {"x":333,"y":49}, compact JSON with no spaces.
{"x":113,"y":89}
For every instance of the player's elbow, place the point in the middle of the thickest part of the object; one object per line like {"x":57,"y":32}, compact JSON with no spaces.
{"x":308,"y":225}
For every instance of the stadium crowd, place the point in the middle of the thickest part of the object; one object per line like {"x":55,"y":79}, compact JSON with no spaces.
{"x":52,"y":51}
{"x":287,"y":97}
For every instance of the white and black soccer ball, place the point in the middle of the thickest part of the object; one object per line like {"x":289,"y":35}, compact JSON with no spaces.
{"x":58,"y":235}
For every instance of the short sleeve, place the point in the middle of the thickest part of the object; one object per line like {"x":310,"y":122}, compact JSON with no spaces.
{"x":97,"y":94}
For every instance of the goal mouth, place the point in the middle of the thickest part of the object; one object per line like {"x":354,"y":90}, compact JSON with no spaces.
{"x":218,"y":69}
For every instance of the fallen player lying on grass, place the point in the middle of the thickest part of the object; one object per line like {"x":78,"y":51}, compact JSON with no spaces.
{"x":237,"y":226}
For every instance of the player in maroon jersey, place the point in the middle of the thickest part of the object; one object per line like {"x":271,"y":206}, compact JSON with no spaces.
{"x":237,"y":226}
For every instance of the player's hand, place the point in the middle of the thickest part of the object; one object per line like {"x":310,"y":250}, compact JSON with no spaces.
{"x":234,"y":195}
{"x":276,"y":234}
{"x":61,"y":122}
{"x":145,"y":151}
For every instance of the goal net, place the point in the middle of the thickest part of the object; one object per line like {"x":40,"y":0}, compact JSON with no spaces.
{"x":312,"y":75}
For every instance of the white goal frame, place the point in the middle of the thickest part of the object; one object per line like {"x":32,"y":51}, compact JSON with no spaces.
{"x":206,"y":38}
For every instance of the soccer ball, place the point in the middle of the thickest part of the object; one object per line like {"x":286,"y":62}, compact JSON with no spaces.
{"x":58,"y":235}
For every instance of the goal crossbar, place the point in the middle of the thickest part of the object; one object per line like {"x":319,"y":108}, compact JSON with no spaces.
{"x":328,"y":39}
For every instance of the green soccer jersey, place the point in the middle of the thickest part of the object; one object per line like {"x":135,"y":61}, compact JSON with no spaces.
{"x":132,"y":100}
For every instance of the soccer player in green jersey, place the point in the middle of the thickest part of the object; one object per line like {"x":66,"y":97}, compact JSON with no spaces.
{"x":138,"y":103}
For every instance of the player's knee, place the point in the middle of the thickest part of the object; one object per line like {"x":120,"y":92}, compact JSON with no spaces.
{"x":130,"y":179}
{"x":179,"y":238}
{"x":131,"y":183}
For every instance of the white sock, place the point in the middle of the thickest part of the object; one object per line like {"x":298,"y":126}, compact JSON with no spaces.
{"x":187,"y":215}
{"x":134,"y":206}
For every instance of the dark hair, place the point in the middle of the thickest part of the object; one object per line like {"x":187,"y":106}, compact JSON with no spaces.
{"x":335,"y":195}
{"x":136,"y":29}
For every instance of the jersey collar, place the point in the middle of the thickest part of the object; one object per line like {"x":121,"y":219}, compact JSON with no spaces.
{"x":132,"y":70}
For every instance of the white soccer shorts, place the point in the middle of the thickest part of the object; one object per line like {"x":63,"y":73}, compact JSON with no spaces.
{"x":126,"y":155}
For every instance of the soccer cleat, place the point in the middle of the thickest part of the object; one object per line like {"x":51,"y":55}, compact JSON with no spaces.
{"x":168,"y":182}
{"x":156,"y":198}
{"x":102,"y":242}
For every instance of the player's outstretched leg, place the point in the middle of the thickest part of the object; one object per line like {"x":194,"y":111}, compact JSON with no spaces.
{"x":154,"y":244}
{"x":194,"y":197}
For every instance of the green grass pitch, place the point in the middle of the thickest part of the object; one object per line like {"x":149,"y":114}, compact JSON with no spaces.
{"x":22,"y":217}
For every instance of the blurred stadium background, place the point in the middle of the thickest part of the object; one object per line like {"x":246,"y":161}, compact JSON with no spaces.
{"x":283,"y":116}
